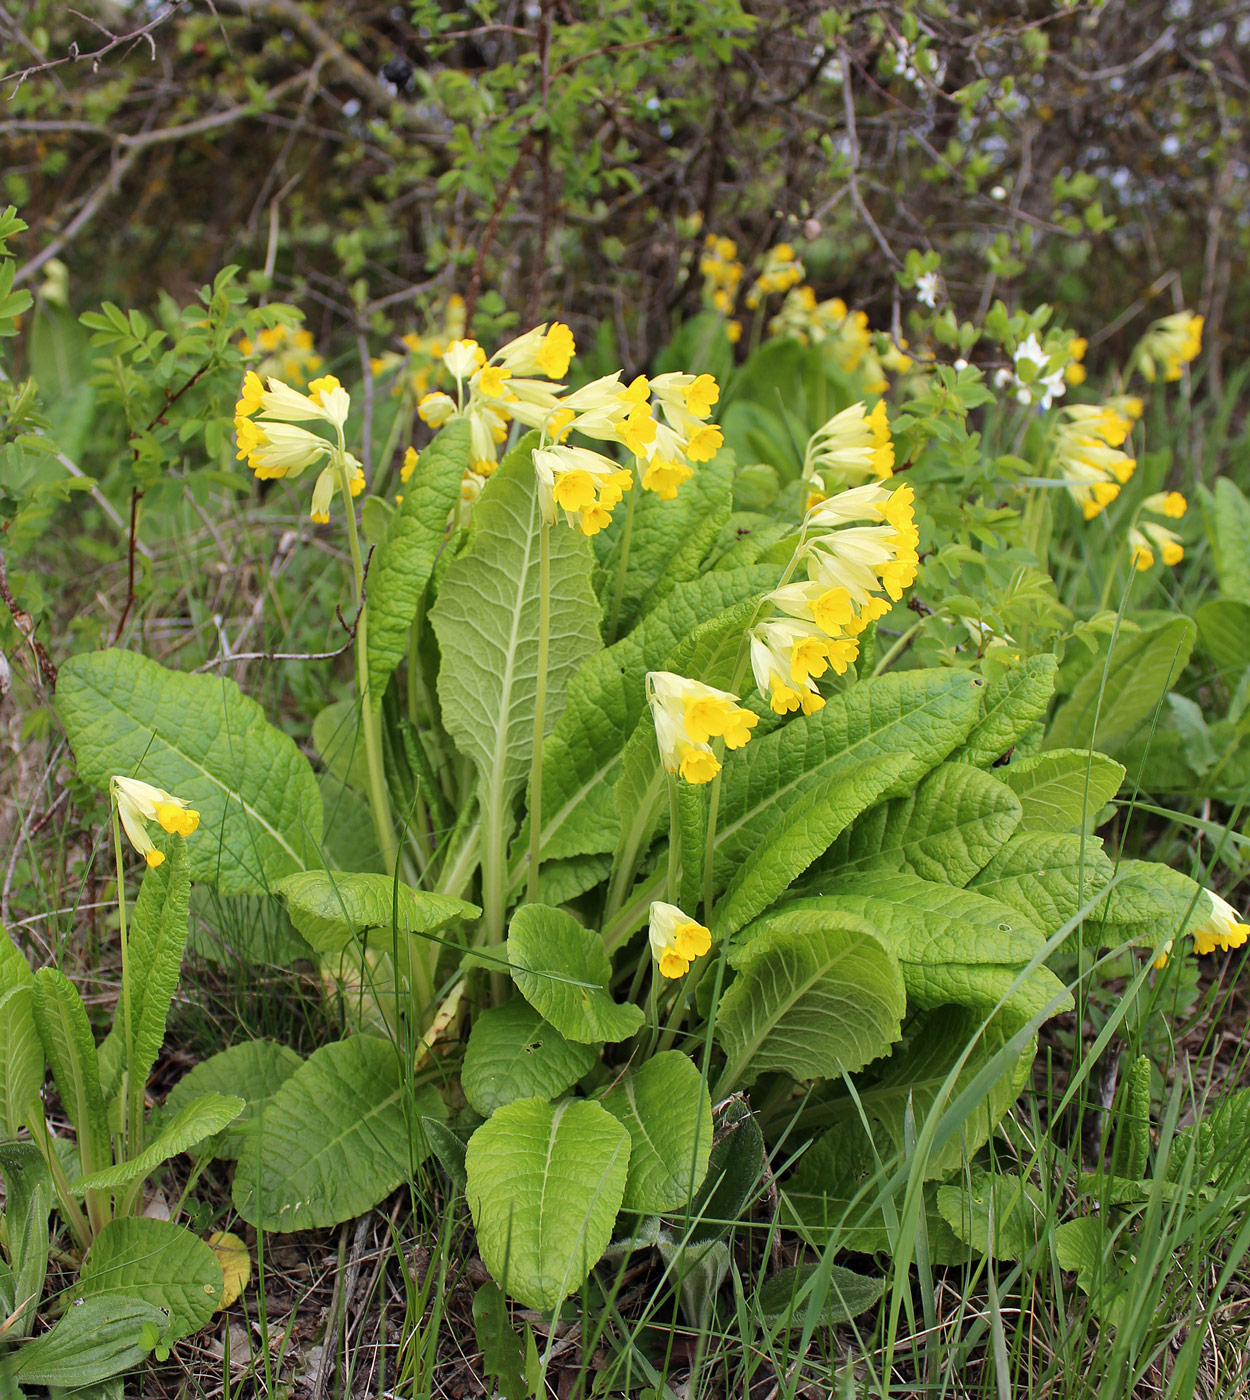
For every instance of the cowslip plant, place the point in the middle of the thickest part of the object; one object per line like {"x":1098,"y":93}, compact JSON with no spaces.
{"x":143,"y":1283}
{"x":612,"y":896}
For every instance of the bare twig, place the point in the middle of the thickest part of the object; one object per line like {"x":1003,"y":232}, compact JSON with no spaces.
{"x":25,"y":625}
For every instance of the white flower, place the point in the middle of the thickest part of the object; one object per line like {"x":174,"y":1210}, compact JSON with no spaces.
{"x":927,"y":289}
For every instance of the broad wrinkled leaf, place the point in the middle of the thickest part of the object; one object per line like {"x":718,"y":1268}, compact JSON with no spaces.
{"x":158,"y":1261}
{"x":1143,"y":667}
{"x":486,"y":621}
{"x":402,"y":565}
{"x":735,"y":1168}
{"x":665,"y":1108}
{"x":98,"y":1338}
{"x":21,"y":1059}
{"x":919,"y":716}
{"x":813,"y":1003}
{"x":1012,"y":1207}
{"x":1226,"y":514}
{"x":1047,"y":877}
{"x":27,"y":1205}
{"x":1013,"y":703}
{"x":200,"y":1119}
{"x":1224,"y":634}
{"x":545,"y":1182}
{"x":158,"y":934}
{"x":946,"y":829}
{"x":1150,"y":903}
{"x":838,"y":1294}
{"x":201,"y":738}
{"x":253,"y":1069}
{"x":333,"y":1140}
{"x":561,"y":969}
{"x":331,"y":908}
{"x":69,"y":1047}
{"x":514,"y":1054}
{"x":1062,"y":788}
{"x":802,"y":829}
{"x":954,"y":946}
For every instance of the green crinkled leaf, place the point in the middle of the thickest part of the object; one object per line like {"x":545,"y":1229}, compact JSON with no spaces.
{"x":1011,"y":1207}
{"x":1150,"y":903}
{"x":340,"y":744}
{"x":735,"y":1168}
{"x":606,"y":700}
{"x":331,"y":908}
{"x":21,"y":1059}
{"x":99,"y":1338}
{"x":919,"y":716}
{"x":545,"y":1182}
{"x":402,"y":565}
{"x":486,"y":621}
{"x":668,"y":543}
{"x":333,"y":1140}
{"x":200,"y":1119}
{"x":814,"y":1003}
{"x":954,"y":946}
{"x":1143,"y":667}
{"x":1219,"y":1146}
{"x":1226,"y":514}
{"x":158,"y":934}
{"x":27,"y":1205}
{"x":802,"y":830}
{"x":69,"y":1047}
{"x":158,"y":1261}
{"x":560,"y":881}
{"x":840,"y":1294}
{"x":201,"y":738}
{"x":1039,"y":874}
{"x":514,"y":1054}
{"x":254,"y":1070}
{"x":665,"y":1108}
{"x":1013,"y":703}
{"x":1224,"y":634}
{"x":946,"y":829}
{"x":561,"y":969}
{"x":1062,"y":788}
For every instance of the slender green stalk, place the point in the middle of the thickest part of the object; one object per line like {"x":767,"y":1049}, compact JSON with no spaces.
{"x":370,"y":719}
{"x":622,"y":563}
{"x":540,"y":707}
{"x":132,"y":1099}
{"x":899,"y":647}
{"x":672,"y":886}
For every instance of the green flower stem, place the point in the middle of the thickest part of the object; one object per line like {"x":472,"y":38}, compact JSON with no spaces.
{"x":622,"y":563}
{"x":132,"y":1099}
{"x":677,"y":1012}
{"x":672,"y":885}
{"x":899,"y":647}
{"x":370,"y":719}
{"x":540,"y":707}
{"x":71,"y":1211}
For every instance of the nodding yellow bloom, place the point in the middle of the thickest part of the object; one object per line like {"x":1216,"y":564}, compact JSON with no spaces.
{"x":1087,"y":451}
{"x":676,"y":939}
{"x":276,"y":450}
{"x":411,"y":458}
{"x":1129,"y":405}
{"x":585,"y":485}
{"x":1074,"y":370}
{"x":1169,"y":503}
{"x":688,"y":715}
{"x":1222,"y":929}
{"x":139,"y":803}
{"x":865,"y":560}
{"x":781,"y":271}
{"x":436,"y":408}
{"x":786,"y":654}
{"x":327,"y":484}
{"x":1160,"y":962}
{"x":1166,"y":541}
{"x":464,"y":358}
{"x":851,"y":447}
{"x":1170,"y":344}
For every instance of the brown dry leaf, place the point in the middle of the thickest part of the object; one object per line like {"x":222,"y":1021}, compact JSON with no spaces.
{"x":236,"y":1265}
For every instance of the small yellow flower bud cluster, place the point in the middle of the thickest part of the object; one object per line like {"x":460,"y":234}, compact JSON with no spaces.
{"x":849,"y":567}
{"x":1169,"y":345}
{"x":1222,"y":929}
{"x":676,"y":940}
{"x":1087,"y":452}
{"x":287,"y":354}
{"x":852,"y":447}
{"x":139,"y":803}
{"x":1152,"y":536}
{"x":688,"y":715}
{"x":267,"y":436}
{"x":781,"y":271}
{"x":722,"y":272}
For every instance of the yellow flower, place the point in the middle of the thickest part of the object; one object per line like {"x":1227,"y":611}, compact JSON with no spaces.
{"x":139,"y":803}
{"x":1170,"y":344}
{"x":864,"y":559}
{"x":1142,"y":556}
{"x":733,"y":331}
{"x":585,"y":485}
{"x":676,"y":939}
{"x":1222,"y":928}
{"x":557,"y":351}
{"x":700,"y":394}
{"x":851,"y":447}
{"x":1168,"y":542}
{"x":436,"y":408}
{"x":705,"y":442}
{"x":687,"y":715}
{"x":664,"y":477}
{"x":411,"y":458}
{"x":1169,"y":503}
{"x":1087,"y":452}
{"x":463,"y":358}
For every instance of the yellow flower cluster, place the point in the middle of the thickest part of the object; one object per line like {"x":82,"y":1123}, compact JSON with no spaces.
{"x":139,"y":803}
{"x":1152,"y":536}
{"x":267,"y":436}
{"x":1170,"y":344}
{"x":688,"y":715}
{"x":781,"y":271}
{"x":849,"y":568}
{"x":1087,"y":451}
{"x":1222,"y":929}
{"x":846,"y":332}
{"x":586,"y":485}
{"x":852,"y":447}
{"x":721,"y":271}
{"x":676,"y":939}
{"x":286,"y":353}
